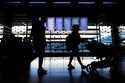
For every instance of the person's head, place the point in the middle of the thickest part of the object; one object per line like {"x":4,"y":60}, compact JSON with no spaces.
{"x":75,"y":27}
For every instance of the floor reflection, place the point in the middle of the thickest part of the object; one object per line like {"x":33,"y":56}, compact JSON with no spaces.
{"x":58,"y":72}
{"x":56,"y":65}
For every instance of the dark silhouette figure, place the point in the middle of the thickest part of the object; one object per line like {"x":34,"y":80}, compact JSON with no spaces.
{"x":72,"y":42}
{"x":39,"y":42}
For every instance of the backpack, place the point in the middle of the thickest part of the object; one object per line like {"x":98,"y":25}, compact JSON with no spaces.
{"x":69,"y":42}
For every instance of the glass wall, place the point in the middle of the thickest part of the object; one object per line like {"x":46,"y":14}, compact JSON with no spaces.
{"x":21,"y":31}
{"x":59,"y":24}
{"x":1,"y":32}
{"x":105,"y":34}
{"x":122,"y":34}
{"x":57,"y":29}
{"x":83,"y":23}
{"x":51,"y":24}
{"x":67,"y":23}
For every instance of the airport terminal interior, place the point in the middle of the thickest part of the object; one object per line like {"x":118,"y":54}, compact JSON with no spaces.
{"x":32,"y":30}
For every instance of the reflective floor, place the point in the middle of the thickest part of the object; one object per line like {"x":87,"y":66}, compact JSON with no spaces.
{"x":57,"y":72}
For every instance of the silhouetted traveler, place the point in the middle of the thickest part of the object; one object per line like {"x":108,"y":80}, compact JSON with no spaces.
{"x":39,"y":41}
{"x":72,"y":42}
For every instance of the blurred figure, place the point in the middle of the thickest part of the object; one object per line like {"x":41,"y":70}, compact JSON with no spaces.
{"x":72,"y":42}
{"x":39,"y":41}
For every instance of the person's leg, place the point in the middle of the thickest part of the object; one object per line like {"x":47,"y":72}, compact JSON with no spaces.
{"x":41,"y":54}
{"x":70,"y":66}
{"x":78,"y":58}
{"x":70,"y":60}
{"x":80,"y":62}
{"x":40,"y":61}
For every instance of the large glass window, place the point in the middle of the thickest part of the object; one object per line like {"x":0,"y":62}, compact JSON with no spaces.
{"x":22,"y":31}
{"x":75,"y":20}
{"x":19,"y":31}
{"x":83,"y":23}
{"x":67,"y":23}
{"x":1,"y":32}
{"x":122,"y":34}
{"x":51,"y":24}
{"x":59,"y":23}
{"x":105,"y":33}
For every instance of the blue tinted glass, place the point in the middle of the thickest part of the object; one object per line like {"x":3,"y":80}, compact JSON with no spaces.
{"x":75,"y":20}
{"x":59,"y":23}
{"x":105,"y":33}
{"x":83,"y":23}
{"x":50,"y":23}
{"x":67,"y":23}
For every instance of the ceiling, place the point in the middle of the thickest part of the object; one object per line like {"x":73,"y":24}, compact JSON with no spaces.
{"x":94,"y":9}
{"x":56,"y":5}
